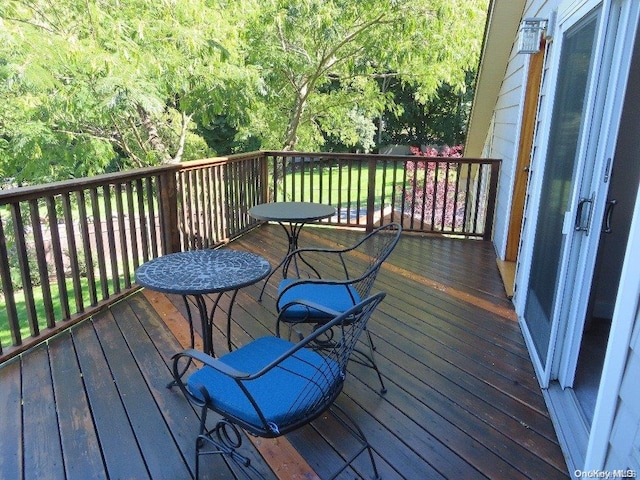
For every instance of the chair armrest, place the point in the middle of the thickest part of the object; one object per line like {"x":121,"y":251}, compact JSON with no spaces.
{"x":316,"y":306}
{"x":211,"y":362}
{"x":300,"y":255}
{"x":319,"y":281}
{"x":228,"y":370}
{"x":320,"y":250}
{"x":313,"y":281}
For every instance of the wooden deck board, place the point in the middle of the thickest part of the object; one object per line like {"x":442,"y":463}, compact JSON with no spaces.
{"x":80,"y":446}
{"x":118,"y":442}
{"x":10,"y":420}
{"x":462,"y":399}
{"x":147,"y":422}
{"x":41,"y":438}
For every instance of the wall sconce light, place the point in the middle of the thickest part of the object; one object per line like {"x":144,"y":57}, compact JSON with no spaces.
{"x":530,"y":34}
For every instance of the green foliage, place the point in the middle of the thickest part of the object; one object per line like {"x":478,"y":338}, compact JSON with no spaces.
{"x":90,"y":87}
{"x":442,"y":120}
{"x":321,"y":61}
{"x":87,"y":82}
{"x":223,"y":138}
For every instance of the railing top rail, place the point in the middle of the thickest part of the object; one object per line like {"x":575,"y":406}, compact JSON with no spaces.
{"x":367,"y":156}
{"x":204,"y":162}
{"x":12,"y":195}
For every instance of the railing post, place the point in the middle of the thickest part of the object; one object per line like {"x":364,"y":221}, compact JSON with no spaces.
{"x":168,"y":199}
{"x":371,"y":193}
{"x":491,"y":200}
{"x":7,"y":289}
{"x":264,"y":178}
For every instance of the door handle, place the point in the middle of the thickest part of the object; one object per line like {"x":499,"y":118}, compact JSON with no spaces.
{"x":579,"y":225}
{"x":607,"y":215}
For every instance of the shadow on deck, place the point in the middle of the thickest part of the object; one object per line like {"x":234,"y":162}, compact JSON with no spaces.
{"x":462,"y":399}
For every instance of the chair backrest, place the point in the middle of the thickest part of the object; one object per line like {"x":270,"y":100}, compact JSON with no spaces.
{"x":344,"y":331}
{"x":375,"y":247}
{"x":334,"y":341}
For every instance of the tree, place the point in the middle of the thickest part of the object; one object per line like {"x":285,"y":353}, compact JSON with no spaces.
{"x":104,"y":85}
{"x":322,"y":60}
{"x":442,"y":120}
{"x":88,"y":87}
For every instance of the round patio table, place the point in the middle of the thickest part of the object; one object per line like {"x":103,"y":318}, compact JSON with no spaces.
{"x":201,"y":272}
{"x":291,"y":216}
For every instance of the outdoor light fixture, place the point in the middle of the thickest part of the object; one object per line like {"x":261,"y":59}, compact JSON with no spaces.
{"x":530,"y":34}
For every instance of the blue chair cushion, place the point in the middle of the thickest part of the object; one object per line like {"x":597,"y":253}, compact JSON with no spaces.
{"x":285,"y":394}
{"x":335,"y":297}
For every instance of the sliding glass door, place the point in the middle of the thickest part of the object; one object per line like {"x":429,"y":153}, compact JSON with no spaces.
{"x":568,"y":125}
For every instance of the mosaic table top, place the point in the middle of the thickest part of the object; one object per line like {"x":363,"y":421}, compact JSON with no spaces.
{"x":202,"y":271}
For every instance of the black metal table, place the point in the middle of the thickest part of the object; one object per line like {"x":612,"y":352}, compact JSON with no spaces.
{"x":291,"y":216}
{"x":201,"y":272}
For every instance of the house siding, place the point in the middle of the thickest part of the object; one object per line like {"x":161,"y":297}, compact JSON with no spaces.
{"x":624,"y":444}
{"x":504,"y":144}
{"x":506,"y":130}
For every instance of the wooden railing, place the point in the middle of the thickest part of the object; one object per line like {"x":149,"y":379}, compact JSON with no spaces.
{"x":70,"y":248}
{"x":426,"y":194}
{"x":214,"y":197}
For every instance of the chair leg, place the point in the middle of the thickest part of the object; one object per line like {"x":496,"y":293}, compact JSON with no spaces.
{"x":350,"y":424}
{"x":374,"y":365}
{"x":224,"y":439}
{"x":368,"y":360}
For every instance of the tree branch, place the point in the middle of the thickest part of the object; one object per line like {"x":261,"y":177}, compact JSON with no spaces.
{"x":177,"y":158}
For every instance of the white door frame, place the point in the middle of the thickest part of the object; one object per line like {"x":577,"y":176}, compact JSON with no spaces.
{"x":625,"y":314}
{"x":614,"y":72}
{"x":565,"y":334}
{"x":569,"y":14}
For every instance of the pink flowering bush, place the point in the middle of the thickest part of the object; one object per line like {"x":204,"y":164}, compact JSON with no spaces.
{"x":434,"y":190}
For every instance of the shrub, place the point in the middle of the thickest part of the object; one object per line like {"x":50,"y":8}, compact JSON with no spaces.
{"x":433,"y":189}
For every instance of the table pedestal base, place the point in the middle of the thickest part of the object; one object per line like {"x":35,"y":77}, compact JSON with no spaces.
{"x":206,"y":323}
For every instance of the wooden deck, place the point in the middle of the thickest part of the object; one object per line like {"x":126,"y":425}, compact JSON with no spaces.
{"x":462,"y":400}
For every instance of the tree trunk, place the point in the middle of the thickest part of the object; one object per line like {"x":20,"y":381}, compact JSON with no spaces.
{"x":152,"y":135}
{"x":177,"y":158}
{"x":291,"y":136}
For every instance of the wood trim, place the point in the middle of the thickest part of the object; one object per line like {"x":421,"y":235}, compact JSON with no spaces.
{"x":508,"y":274}
{"x":527,"y":131}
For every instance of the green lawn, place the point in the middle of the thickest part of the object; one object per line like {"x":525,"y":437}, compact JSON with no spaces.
{"x":5,"y":334}
{"x":334,"y":185}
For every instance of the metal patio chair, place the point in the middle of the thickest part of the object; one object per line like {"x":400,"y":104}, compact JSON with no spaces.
{"x":271,"y":386}
{"x":350,"y":283}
